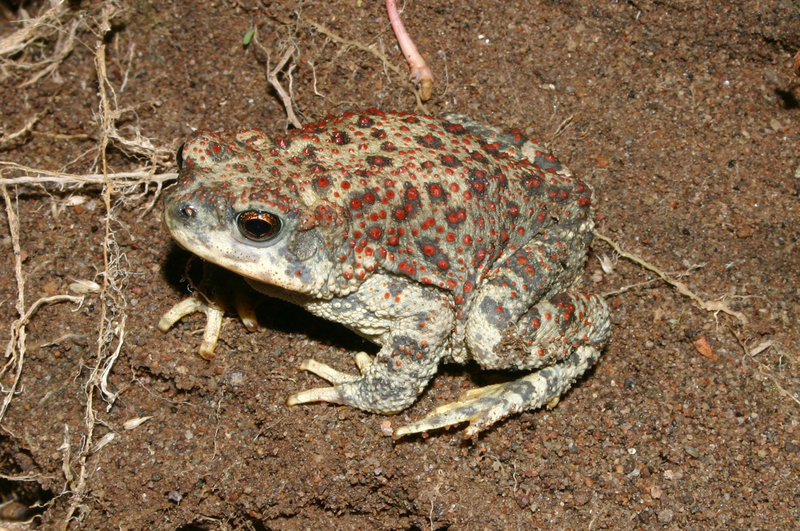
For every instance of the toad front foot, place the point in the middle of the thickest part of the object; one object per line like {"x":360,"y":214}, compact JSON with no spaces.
{"x":328,"y":373}
{"x":194,"y":304}
{"x":484,"y":406}
{"x":216,"y":292}
{"x":389,"y":383}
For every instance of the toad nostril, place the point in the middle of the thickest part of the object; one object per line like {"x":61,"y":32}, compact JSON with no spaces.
{"x":187,"y":211}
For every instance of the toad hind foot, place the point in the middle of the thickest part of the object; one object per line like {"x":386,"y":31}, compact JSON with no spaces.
{"x":328,"y":373}
{"x":484,"y":406}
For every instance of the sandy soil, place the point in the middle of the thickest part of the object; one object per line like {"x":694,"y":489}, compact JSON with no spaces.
{"x":684,"y":117}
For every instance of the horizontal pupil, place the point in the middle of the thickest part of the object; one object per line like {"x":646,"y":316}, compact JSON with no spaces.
{"x":259,"y":226}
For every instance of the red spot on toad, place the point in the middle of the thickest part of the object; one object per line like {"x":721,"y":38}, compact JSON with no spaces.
{"x":380,"y":162}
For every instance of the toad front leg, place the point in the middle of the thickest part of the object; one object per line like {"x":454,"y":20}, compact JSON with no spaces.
{"x":412,"y":323}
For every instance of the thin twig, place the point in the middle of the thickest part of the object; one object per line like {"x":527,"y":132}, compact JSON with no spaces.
{"x":42,"y":176}
{"x":16,"y":342}
{"x":683,"y":289}
{"x":8,"y":140}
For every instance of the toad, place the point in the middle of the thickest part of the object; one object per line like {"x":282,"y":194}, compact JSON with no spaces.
{"x":438,"y":239}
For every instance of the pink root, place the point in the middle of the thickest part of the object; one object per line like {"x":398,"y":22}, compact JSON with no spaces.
{"x":420,"y":71}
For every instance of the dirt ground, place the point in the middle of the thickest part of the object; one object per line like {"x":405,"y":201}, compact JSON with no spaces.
{"x":683,"y":115}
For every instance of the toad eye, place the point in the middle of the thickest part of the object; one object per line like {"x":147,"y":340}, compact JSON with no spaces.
{"x":258,"y":226}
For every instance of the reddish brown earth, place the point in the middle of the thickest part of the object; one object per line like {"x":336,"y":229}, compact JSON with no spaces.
{"x":683,"y":116}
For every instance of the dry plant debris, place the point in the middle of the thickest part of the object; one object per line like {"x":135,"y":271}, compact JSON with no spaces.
{"x":701,"y":344}
{"x":110,"y":336}
{"x":16,"y":345}
{"x":113,"y":304}
{"x":273,"y":73}
{"x":421,"y":73}
{"x":60,"y":22}
{"x":342,"y":41}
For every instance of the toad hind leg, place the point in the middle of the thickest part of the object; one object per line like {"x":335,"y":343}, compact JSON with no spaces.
{"x":484,"y":406}
{"x":519,"y":322}
{"x":516,"y":325}
{"x":562,"y":336}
